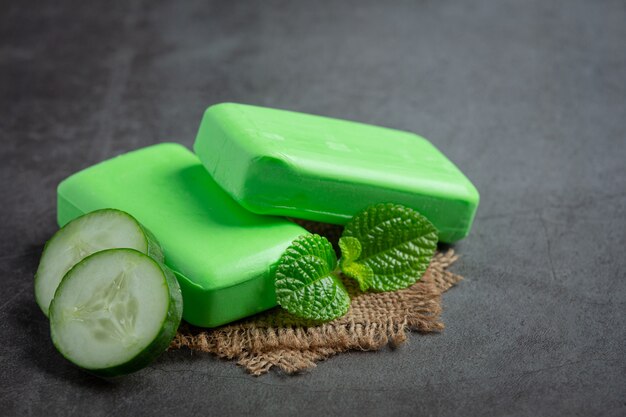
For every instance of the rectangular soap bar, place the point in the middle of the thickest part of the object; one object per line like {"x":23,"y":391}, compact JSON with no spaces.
{"x":222,"y":254}
{"x":311,"y":167}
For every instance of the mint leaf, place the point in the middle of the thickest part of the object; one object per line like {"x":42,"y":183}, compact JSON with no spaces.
{"x":351,"y":250}
{"x":395,"y":244}
{"x":306,"y":285}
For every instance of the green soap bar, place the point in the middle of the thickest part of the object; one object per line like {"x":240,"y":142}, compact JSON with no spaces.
{"x":223,"y":255}
{"x":311,"y":167}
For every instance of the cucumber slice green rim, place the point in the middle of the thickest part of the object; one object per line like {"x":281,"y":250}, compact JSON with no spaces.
{"x":115,"y":312}
{"x":87,"y":234}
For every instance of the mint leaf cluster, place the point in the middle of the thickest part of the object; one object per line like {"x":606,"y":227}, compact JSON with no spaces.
{"x":385,"y":247}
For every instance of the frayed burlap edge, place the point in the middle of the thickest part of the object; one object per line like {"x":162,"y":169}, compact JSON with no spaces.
{"x":277,"y":339}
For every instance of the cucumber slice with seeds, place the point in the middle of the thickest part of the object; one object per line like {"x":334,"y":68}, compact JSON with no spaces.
{"x":93,"y":232}
{"x":115,"y":312}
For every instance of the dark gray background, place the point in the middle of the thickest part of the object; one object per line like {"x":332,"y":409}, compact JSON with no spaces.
{"x":528,"y":98}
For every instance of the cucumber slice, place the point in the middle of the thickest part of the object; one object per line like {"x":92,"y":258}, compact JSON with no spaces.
{"x":115,"y":312}
{"x":93,"y":232}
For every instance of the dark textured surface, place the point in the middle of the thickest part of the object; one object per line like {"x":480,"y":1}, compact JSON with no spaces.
{"x":528,"y":98}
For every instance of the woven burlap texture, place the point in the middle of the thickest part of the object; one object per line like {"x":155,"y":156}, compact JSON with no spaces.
{"x":278,"y":339}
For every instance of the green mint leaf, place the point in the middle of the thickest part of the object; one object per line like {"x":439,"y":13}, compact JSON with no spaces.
{"x":305,"y":283}
{"x":351,"y":250}
{"x":396,"y":244}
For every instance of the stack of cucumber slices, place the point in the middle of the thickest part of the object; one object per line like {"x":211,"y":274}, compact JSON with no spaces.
{"x":112,"y":303}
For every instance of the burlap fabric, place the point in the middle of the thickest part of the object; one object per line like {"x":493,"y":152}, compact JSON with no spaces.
{"x":375,"y":320}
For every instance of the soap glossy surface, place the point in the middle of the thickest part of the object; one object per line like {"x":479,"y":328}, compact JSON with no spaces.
{"x":322,"y":169}
{"x":222,"y":254}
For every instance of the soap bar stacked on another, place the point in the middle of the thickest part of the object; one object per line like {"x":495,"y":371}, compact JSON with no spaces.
{"x":292,"y":164}
{"x":264,"y":161}
{"x":222,"y":254}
